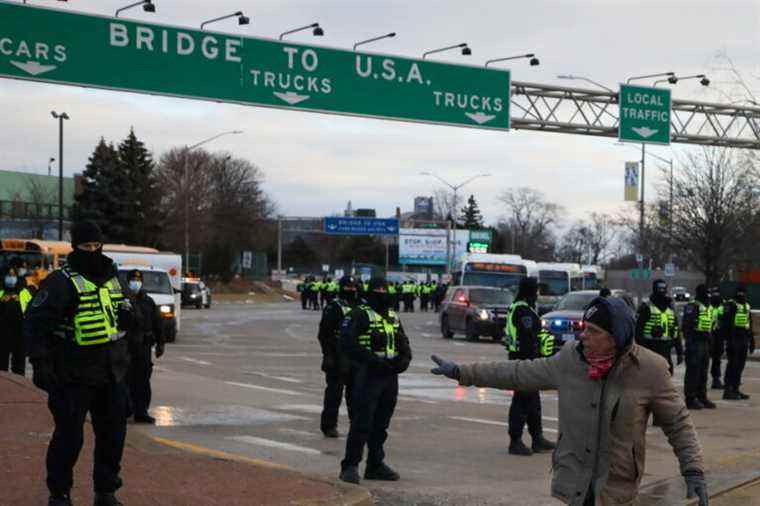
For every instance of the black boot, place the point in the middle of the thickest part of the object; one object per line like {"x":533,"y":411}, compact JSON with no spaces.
{"x":730,"y":394}
{"x":707,"y":403}
{"x":717,"y":384}
{"x":693,"y":403}
{"x":741,"y":394}
{"x":381,"y":472}
{"x":350,"y":475}
{"x":331,"y":433}
{"x":146,"y":419}
{"x":517,"y":447}
{"x":541,"y":444}
{"x":59,"y":500}
{"x":106,"y":500}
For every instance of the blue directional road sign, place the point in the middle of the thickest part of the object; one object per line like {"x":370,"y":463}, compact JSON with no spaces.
{"x":361,"y":226}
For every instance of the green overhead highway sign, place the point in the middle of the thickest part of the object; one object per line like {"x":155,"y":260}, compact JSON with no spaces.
{"x":55,"y":46}
{"x":644,"y":114}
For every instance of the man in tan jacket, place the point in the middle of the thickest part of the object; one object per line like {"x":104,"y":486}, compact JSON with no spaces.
{"x":607,"y":387}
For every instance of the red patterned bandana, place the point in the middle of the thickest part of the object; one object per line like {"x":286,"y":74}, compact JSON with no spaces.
{"x":599,"y":365}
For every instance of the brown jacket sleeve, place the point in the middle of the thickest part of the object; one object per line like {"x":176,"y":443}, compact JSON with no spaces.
{"x":528,"y":375}
{"x":670,"y":411}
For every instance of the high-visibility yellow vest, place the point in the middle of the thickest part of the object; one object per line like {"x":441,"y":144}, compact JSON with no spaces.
{"x":96,"y":319}
{"x":23,"y":297}
{"x":664,"y":319}
{"x":388,"y":327}
{"x":741,"y":318}
{"x":545,"y":338}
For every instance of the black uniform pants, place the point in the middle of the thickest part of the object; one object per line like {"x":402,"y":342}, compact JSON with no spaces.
{"x":108,"y":405}
{"x":697,"y":362}
{"x":525,"y":407}
{"x":737,"y":347}
{"x":716,"y":354}
{"x":335,"y":384}
{"x":662,"y":348}
{"x":424,"y":302}
{"x":304,"y":299}
{"x":138,"y":378}
{"x":13,"y":352}
{"x":373,"y":400}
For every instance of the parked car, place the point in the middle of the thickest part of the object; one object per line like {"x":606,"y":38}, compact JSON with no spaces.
{"x":195,"y":293}
{"x":680,"y":294}
{"x":565,"y":322}
{"x":475,"y":311}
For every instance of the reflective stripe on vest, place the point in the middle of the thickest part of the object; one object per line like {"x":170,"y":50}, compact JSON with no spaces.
{"x":510,"y":330}
{"x":96,"y":320}
{"x":379,"y":325}
{"x":346,"y":310}
{"x":663,"y":319}
{"x":741,"y":319}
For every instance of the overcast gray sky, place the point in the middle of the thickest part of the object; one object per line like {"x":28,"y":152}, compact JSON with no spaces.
{"x":315,"y":163}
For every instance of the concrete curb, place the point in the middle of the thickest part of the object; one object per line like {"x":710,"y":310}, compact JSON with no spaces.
{"x":350,"y":495}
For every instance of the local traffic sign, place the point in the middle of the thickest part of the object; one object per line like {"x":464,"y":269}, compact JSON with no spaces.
{"x":644,"y":114}
{"x":50,"y":45}
{"x":361,"y":226}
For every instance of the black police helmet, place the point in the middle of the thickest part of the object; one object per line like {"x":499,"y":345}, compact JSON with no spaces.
{"x":378,"y":283}
{"x":347,"y":281}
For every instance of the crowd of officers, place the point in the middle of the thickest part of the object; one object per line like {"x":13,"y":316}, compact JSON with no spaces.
{"x":90,"y":341}
{"x":710,"y":327}
{"x":316,"y":295}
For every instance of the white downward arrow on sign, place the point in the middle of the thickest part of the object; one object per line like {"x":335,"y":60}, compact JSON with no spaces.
{"x":32,"y":67}
{"x":479,"y":117}
{"x":645,"y":132}
{"x":290,"y":97}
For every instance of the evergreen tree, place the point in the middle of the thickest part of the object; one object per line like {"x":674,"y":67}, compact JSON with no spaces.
{"x":471,"y":216}
{"x":93,"y":201}
{"x":140,"y":197}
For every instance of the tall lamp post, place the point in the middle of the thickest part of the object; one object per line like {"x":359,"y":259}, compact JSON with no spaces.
{"x":455,"y":189}
{"x":186,"y":185}
{"x":60,"y":117}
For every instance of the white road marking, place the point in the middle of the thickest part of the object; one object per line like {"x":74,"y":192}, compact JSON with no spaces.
{"x":266,"y":389}
{"x":415,"y":399}
{"x":275,"y":444}
{"x":194,"y":361}
{"x":279,"y":378}
{"x":493,"y":422}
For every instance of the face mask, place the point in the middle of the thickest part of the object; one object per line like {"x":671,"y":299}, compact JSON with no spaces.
{"x":22,"y":272}
{"x":741,"y":298}
{"x":10,"y":281}
{"x":378,"y":301}
{"x":135,"y":286}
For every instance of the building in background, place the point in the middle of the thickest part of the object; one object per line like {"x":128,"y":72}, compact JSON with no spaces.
{"x":29,"y":204}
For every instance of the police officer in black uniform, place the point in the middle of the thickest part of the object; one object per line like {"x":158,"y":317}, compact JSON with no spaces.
{"x":697,"y":330}
{"x":652,"y":331}
{"x":335,"y":365}
{"x":736,"y":324}
{"x":523,"y":328}
{"x":718,"y":342}
{"x":145,"y":332}
{"x":75,"y":327}
{"x":373,"y":338}
{"x":14,"y":299}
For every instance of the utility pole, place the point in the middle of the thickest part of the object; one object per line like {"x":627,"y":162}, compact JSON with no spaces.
{"x":60,"y":118}
{"x":279,"y":246}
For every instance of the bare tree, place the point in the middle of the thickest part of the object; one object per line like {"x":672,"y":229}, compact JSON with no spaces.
{"x":715,"y":203}
{"x":588,"y":242}
{"x":529,"y":221}
{"x":445,"y":205}
{"x":42,"y":200}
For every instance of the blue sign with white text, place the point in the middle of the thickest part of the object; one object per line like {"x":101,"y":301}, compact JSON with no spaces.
{"x":361,"y":226}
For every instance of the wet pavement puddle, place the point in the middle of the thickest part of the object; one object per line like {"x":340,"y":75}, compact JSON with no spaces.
{"x":172,"y":416}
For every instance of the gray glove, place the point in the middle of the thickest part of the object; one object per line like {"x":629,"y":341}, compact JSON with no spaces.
{"x":696,"y":487}
{"x":448,"y":369}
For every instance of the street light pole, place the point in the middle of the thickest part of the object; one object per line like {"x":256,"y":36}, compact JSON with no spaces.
{"x":60,"y":118}
{"x":453,"y":222}
{"x":641,"y":210}
{"x":186,"y":187}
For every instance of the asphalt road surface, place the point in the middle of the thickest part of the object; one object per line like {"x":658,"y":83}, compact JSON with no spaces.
{"x":245,"y":379}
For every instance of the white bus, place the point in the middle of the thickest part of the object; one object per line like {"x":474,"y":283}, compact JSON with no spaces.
{"x":555,"y":279}
{"x":488,"y":269}
{"x":590,"y":277}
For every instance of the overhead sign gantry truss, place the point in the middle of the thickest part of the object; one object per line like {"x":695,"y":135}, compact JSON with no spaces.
{"x":560,"y":109}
